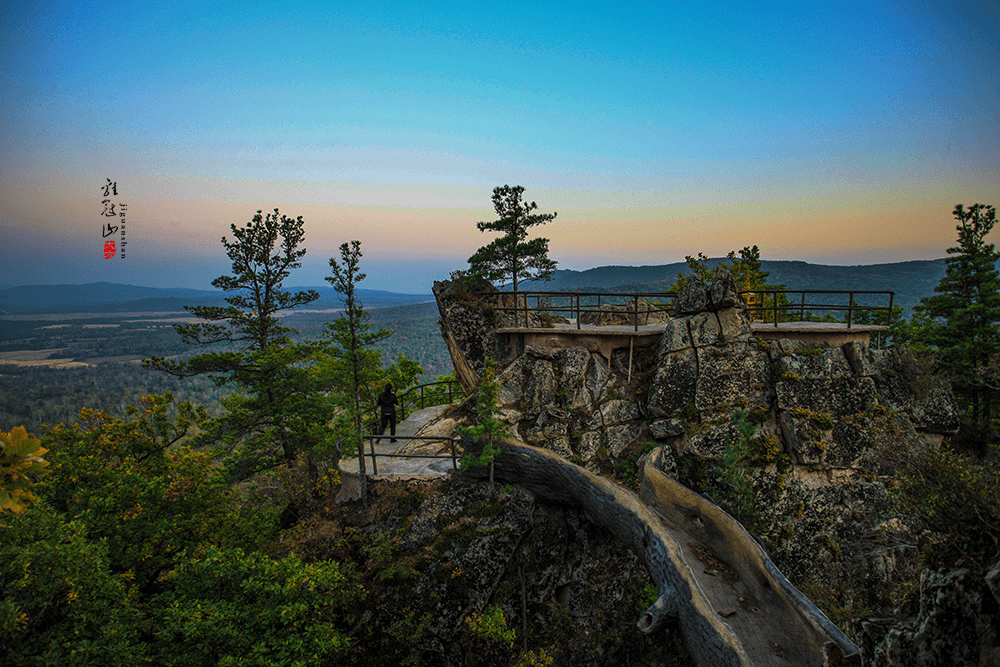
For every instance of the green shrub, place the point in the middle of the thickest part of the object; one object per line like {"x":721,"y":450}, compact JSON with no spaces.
{"x":60,"y":602}
{"x":491,"y":626}
{"x":956,"y":500}
{"x":233,"y":607}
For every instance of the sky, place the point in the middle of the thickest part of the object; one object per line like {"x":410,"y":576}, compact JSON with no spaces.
{"x":830,"y":132}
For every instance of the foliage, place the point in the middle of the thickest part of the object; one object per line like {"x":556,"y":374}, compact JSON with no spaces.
{"x":900,"y":334}
{"x":735,"y":470}
{"x":965,"y":310}
{"x":438,"y":394}
{"x":21,"y":464}
{"x":61,"y":603}
{"x":745,"y":269}
{"x":491,"y":626}
{"x":747,"y":272}
{"x":628,"y":466}
{"x":277,"y":401}
{"x":954,"y":499}
{"x":351,"y":367}
{"x":131,"y":483}
{"x":489,"y":428}
{"x":38,"y":396}
{"x":244,"y":608}
{"x":512,"y":257}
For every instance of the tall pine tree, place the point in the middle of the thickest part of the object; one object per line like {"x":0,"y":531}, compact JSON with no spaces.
{"x":965,"y":312}
{"x":513,"y":257}
{"x":274,"y":410}
{"x":349,"y":338}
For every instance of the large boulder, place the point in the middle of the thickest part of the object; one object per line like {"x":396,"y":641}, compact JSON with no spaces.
{"x":955,"y":624}
{"x":468,"y":326}
{"x":694,"y":297}
{"x":605,"y":315}
{"x":645,"y":312}
{"x":697,"y":297}
{"x":906,"y":384}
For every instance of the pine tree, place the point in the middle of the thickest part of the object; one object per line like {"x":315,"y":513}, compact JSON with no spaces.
{"x":512,"y":257}
{"x":274,"y":410}
{"x":965,"y":311}
{"x":354,"y":366}
{"x":490,"y":429}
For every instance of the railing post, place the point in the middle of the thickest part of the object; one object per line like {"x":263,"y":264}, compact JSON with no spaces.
{"x":850,"y":309}
{"x":802,"y":307}
{"x":774,"y":299}
{"x":454,"y":458}
{"x":577,"y":311}
{"x":888,"y":317}
{"x":371,"y":441}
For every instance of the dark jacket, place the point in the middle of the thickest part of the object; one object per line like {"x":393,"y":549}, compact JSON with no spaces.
{"x":387,"y":401}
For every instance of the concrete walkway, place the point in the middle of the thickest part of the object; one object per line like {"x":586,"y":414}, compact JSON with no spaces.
{"x":400,"y":466}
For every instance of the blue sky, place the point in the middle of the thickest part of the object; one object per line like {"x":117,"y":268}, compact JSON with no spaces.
{"x":839,"y":133}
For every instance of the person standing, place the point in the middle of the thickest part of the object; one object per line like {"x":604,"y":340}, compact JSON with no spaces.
{"x":387,"y":409}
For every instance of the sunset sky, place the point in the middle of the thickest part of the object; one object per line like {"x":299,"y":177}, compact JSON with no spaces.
{"x":830,"y":132}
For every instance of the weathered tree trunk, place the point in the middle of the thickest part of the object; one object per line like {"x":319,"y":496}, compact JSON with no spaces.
{"x":549,"y":476}
{"x":788,"y":616}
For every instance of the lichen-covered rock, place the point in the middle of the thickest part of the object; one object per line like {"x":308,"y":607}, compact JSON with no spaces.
{"x":735,"y":324}
{"x":712,"y":440}
{"x":605,"y":315}
{"x":568,"y":378}
{"x":835,"y":396}
{"x":552,"y":431}
{"x":663,"y":429}
{"x":474,"y":551}
{"x":538,"y":382}
{"x":468,"y":326}
{"x":705,"y":329}
{"x":673,"y":383}
{"x":906,"y":384}
{"x":676,"y":337}
{"x":819,"y":364}
{"x":832,"y":534}
{"x":694,"y":297}
{"x":618,"y":421}
{"x":956,"y":624}
{"x":733,"y":374}
{"x":724,"y":293}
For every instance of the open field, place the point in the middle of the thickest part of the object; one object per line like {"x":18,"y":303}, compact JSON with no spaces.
{"x":52,"y":365}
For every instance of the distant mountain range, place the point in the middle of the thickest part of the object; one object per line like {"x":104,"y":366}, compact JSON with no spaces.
{"x":909,"y":280}
{"x":105,"y":297}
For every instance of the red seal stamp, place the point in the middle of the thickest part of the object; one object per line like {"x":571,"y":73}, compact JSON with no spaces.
{"x":109,"y":249}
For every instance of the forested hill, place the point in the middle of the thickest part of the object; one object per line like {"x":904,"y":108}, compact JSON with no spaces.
{"x":909,"y":280}
{"x":103,"y":297}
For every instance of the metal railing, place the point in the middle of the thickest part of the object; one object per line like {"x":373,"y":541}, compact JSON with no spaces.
{"x":539,"y":309}
{"x":576,"y":305}
{"x":372,"y":438}
{"x":767,"y":304}
{"x":407,"y":401}
{"x":452,"y":388}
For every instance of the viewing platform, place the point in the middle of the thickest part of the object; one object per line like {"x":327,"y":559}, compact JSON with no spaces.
{"x":605,"y":322}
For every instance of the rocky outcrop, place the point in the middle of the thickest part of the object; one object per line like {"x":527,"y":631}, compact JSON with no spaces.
{"x":562,"y":583}
{"x":955,"y":623}
{"x":792,"y":629}
{"x":468,"y":326}
{"x":633,"y":310}
{"x":551,"y":477}
{"x":817,"y":418}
